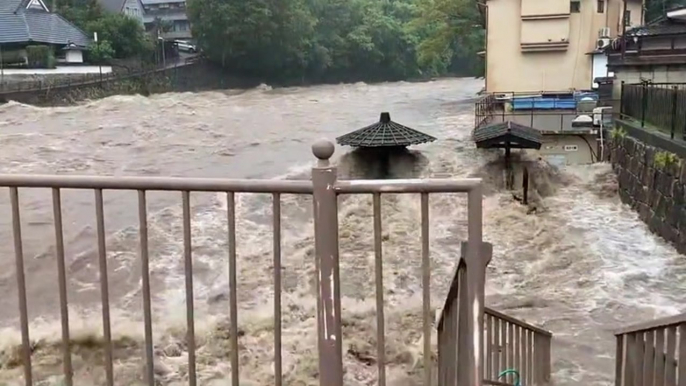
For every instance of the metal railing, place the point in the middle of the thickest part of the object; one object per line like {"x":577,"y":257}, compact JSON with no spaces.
{"x":74,"y":80}
{"x":325,"y":189}
{"x":492,"y":109}
{"x":651,"y":353}
{"x":660,"y":106}
{"x":513,"y":344}
{"x":506,"y":343}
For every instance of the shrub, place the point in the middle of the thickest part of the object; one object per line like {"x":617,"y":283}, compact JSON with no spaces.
{"x":40,"y":56}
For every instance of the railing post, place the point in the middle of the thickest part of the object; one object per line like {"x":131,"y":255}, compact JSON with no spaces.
{"x":478,"y":255}
{"x":327,"y":266}
{"x":644,"y":102}
{"x":542,"y":357}
{"x":621,"y":101}
{"x":675,"y":94}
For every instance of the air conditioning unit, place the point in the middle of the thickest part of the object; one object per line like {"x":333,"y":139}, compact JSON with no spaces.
{"x":602,"y":43}
{"x":604,"y":32}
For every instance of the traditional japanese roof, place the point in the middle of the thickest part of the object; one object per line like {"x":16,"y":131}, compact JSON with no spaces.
{"x":30,"y":21}
{"x":384,"y":133}
{"x":507,"y":134}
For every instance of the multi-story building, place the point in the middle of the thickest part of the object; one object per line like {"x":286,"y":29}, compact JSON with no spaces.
{"x":552,"y":45}
{"x":170,"y":12}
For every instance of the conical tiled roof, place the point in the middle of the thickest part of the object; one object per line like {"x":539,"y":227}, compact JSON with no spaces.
{"x":384,"y":133}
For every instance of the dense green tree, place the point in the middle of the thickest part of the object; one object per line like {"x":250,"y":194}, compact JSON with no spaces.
{"x":125,"y":34}
{"x":322,"y":40}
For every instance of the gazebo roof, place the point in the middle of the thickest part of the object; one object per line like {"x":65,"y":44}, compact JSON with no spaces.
{"x":507,"y":134}
{"x":384,"y":133}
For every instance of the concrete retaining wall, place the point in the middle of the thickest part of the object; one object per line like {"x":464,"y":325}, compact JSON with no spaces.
{"x":653,"y":182}
{"x":192,"y":77}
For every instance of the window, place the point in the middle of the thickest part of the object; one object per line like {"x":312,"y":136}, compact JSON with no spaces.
{"x":575,"y":6}
{"x":627,"y":18}
{"x":601,"y":6}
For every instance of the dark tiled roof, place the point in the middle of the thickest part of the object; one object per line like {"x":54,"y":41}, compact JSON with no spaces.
{"x":21,"y":25}
{"x":384,"y":133}
{"x":659,"y":27}
{"x":520,"y":136}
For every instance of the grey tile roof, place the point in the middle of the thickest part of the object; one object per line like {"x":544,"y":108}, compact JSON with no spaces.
{"x":21,"y":25}
{"x":662,"y":26}
{"x":496,"y":134}
{"x":384,"y":133}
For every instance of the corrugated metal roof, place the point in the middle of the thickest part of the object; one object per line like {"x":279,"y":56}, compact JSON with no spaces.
{"x":23,"y":26}
{"x":384,"y":133}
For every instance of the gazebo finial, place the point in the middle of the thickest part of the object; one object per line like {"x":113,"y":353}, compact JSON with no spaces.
{"x":385,"y":117}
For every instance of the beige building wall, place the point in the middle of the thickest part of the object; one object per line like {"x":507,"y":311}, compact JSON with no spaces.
{"x":535,"y":45}
{"x":562,"y":150}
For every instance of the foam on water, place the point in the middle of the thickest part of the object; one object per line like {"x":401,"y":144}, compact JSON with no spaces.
{"x":578,"y":265}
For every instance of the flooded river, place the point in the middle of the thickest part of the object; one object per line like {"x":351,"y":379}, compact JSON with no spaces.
{"x":580,"y":266}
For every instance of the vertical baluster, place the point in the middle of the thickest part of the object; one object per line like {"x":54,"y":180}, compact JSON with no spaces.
{"x":426,"y":289}
{"x":145,"y":276}
{"x":21,"y":287}
{"x":488,"y":347}
{"x":496,"y":348}
{"x":378,"y":270}
{"x":659,"y":357}
{"x":648,"y":359}
{"x":62,"y":283}
{"x":104,"y":286}
{"x":517,"y":349}
{"x":670,"y":357}
{"x":682,"y":354}
{"x":276,"y":212}
{"x":619,"y":359}
{"x":233,"y":286}
{"x":637,"y":354}
{"x":188,"y":270}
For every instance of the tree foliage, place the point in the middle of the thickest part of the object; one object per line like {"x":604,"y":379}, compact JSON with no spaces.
{"x":123,"y":35}
{"x":322,"y":40}
{"x":657,"y":8}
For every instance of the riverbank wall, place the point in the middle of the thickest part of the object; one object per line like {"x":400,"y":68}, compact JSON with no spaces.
{"x":197,"y":76}
{"x":651,"y":172}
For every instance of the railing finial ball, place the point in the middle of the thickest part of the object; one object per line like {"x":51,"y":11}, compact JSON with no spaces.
{"x":323,"y":149}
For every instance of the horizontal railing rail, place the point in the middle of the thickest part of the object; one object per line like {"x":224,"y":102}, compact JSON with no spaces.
{"x":517,"y":345}
{"x":324,"y":188}
{"x":651,"y":353}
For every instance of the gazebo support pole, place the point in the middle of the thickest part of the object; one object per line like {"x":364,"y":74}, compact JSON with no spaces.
{"x":525,"y":187}
{"x":509,"y":181}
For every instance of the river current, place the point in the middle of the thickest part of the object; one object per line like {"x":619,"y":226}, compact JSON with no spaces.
{"x":581,"y":265}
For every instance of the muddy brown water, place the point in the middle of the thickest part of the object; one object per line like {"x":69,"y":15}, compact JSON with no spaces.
{"x":581,"y":266}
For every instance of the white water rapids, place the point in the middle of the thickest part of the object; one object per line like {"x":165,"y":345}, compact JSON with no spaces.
{"x":580,"y":266}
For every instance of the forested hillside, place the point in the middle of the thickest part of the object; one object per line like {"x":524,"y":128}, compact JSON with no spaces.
{"x":340,"y":40}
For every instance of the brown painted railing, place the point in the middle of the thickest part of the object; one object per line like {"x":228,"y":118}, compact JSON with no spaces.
{"x":513,"y":344}
{"x":506,"y":343}
{"x":649,"y":354}
{"x":325,"y":189}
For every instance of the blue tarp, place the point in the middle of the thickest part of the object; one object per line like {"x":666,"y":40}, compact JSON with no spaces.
{"x":567,"y":102}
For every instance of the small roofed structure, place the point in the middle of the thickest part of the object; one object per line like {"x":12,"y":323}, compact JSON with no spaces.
{"x":508,"y":135}
{"x":384,"y":133}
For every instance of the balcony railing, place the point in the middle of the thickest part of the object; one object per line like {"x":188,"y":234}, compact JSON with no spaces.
{"x":650,"y":353}
{"x":656,"y":106}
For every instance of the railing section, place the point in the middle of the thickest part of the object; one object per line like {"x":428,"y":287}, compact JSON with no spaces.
{"x":325,"y":189}
{"x":649,"y":354}
{"x":660,"y":106}
{"x":515,"y":345}
{"x":508,"y":344}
